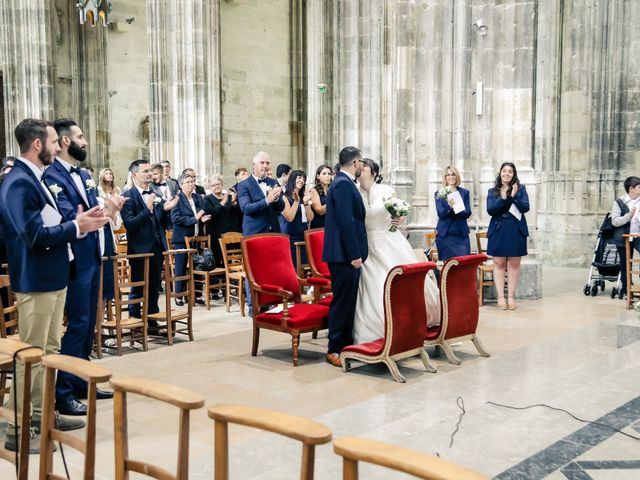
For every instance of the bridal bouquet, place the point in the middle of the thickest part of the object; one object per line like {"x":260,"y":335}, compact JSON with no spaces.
{"x":444,"y":192}
{"x":397,"y":208}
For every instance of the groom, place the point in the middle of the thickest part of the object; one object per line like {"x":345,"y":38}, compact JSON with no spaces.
{"x":345,"y":249}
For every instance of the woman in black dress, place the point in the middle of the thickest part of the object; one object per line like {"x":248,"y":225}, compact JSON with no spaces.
{"x":297,"y":211}
{"x":223,"y":207}
{"x":324,"y":175}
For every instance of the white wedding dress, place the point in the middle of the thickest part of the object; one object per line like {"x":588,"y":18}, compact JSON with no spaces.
{"x":386,"y":250}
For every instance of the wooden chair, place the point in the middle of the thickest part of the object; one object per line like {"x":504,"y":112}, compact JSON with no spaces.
{"x":172,"y":316}
{"x":633,"y":291}
{"x":460,"y":306}
{"x":418,"y":464}
{"x":184,"y":399}
{"x":233,"y":269}
{"x":432,"y":248}
{"x":306,"y":431}
{"x":92,"y":374}
{"x":301,"y":268}
{"x":314,"y":241}
{"x":121,"y":321}
{"x":168,"y":235}
{"x":405,"y":317}
{"x":9,"y":348}
{"x":485,"y":271}
{"x":210,"y":280}
{"x":9,"y":312}
{"x":273,"y":280}
{"x":102,"y":311}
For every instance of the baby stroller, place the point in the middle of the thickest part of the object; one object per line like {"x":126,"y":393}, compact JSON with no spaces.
{"x":605,"y":265}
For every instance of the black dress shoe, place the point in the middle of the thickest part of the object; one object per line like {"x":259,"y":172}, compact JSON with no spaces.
{"x":100,"y":395}
{"x":200,"y":301}
{"x":179,"y":303}
{"x":71,"y":407}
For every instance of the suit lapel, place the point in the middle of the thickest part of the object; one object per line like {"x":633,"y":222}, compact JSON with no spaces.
{"x":66,"y":175}
{"x":39,"y":186}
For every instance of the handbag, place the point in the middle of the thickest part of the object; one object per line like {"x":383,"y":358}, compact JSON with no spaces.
{"x":204,"y":260}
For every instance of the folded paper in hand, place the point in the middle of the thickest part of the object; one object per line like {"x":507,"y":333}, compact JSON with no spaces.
{"x":50,"y":216}
{"x":458,"y":203}
{"x":515,"y":212}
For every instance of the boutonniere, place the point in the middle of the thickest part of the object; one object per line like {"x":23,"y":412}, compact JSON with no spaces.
{"x":269,"y":187}
{"x":157,"y":201}
{"x":55,"y":189}
{"x":90,"y":184}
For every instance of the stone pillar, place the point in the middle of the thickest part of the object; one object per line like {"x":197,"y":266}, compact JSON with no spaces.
{"x":184,"y":59}
{"x":26,"y":59}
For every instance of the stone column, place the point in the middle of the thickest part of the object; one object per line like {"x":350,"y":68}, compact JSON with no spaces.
{"x":184,"y":59}
{"x":26,"y":60}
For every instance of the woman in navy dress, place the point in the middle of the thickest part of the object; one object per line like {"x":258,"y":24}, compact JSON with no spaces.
{"x":453,"y":232}
{"x":297,"y":211}
{"x":507,"y":235}
{"x":324,"y":175}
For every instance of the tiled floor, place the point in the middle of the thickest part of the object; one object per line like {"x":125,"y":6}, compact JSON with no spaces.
{"x":559,"y":350}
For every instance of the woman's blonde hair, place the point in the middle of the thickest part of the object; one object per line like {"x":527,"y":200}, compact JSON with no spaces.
{"x":103,"y":183}
{"x":454,"y":170}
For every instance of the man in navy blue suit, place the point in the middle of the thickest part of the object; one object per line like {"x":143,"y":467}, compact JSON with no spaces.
{"x":38,"y":254}
{"x":78,"y":190}
{"x":260,"y":199}
{"x":146,"y":217}
{"x":345,"y":249}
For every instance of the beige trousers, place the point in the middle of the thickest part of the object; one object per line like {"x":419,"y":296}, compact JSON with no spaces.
{"x":39,"y":324}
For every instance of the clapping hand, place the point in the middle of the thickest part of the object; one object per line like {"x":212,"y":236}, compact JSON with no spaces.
{"x":113,"y":204}
{"x":514,"y":189}
{"x":274,"y":194}
{"x":202,"y":217}
{"x":169,"y":204}
{"x":150,"y":201}
{"x":234,"y":196}
{"x":307,"y":197}
{"x":91,"y":220}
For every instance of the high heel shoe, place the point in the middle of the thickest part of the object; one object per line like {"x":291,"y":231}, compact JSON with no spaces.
{"x":512,"y":305}
{"x":502,"y":304}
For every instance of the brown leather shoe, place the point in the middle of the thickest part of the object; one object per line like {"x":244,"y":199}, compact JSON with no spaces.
{"x":333,"y":359}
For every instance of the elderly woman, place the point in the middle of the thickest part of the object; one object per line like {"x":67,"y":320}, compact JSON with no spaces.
{"x":452,"y":228}
{"x":106,"y":183}
{"x":186,"y":217}
{"x":222,"y":206}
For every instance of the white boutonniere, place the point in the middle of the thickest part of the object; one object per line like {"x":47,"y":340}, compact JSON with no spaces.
{"x":90,"y":184}
{"x":269,"y":187}
{"x":55,"y":189}
{"x":157,"y":201}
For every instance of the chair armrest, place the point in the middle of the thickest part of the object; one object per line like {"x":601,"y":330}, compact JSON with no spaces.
{"x":10,"y":347}
{"x":84,"y":369}
{"x":180,"y":397}
{"x":401,"y":459}
{"x":274,"y":289}
{"x":298,"y":428}
{"x":317,"y":281}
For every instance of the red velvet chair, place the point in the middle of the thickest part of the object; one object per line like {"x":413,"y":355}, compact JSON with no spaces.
{"x":273,"y":280}
{"x":405,"y":316}
{"x":314,"y":242}
{"x":459,"y":305}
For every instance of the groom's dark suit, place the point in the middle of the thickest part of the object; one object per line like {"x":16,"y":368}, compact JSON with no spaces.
{"x":345,"y":240}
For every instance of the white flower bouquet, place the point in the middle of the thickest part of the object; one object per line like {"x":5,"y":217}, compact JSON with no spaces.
{"x":397,"y":208}
{"x":444,"y":192}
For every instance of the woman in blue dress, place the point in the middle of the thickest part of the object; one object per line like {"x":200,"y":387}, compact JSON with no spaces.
{"x":507,"y":203}
{"x":297,"y":211}
{"x":324,"y":175}
{"x":452,"y":228}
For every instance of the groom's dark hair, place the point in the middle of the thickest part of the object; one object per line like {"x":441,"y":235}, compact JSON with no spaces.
{"x":348,"y":155}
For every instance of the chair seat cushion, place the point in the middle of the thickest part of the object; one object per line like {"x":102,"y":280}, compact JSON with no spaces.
{"x":370,"y":349}
{"x":326,"y":300}
{"x":301,"y":315}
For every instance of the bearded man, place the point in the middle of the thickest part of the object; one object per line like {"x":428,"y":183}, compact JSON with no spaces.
{"x":77,"y":192}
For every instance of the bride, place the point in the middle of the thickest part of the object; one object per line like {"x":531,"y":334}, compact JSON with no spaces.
{"x":386,"y":250}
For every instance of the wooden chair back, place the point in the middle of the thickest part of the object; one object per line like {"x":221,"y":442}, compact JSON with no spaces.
{"x":173,"y":317}
{"x":307,"y":432}
{"x":185,"y":400}
{"x":481,"y":242}
{"x":29,"y":356}
{"x":8,"y":312}
{"x":459,"y":304}
{"x":91,"y":373}
{"x":168,"y":234}
{"x":432,"y":248}
{"x":233,"y":268}
{"x":418,"y":464}
{"x":206,"y":280}
{"x":122,"y":285}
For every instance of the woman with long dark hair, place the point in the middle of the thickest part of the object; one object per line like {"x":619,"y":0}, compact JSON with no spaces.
{"x":507,"y":202}
{"x":323,"y":178}
{"x":297,"y":211}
